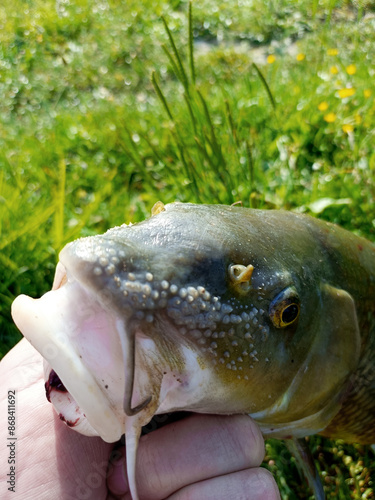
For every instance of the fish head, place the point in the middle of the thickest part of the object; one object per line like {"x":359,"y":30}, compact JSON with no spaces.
{"x":202,"y":308}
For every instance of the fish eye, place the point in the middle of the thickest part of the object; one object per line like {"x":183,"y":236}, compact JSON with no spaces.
{"x":284,"y":308}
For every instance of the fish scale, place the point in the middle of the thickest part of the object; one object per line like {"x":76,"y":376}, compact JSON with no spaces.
{"x":355,"y":421}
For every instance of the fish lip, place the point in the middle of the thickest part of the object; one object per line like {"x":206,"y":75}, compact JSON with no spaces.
{"x":51,"y":337}
{"x":91,"y":403}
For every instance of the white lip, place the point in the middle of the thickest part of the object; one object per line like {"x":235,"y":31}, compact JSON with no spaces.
{"x":46,"y":323}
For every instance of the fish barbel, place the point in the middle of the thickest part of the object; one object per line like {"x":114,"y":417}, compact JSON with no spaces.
{"x":211,"y":309}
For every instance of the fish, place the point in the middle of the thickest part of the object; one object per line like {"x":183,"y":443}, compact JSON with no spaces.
{"x":211,"y":309}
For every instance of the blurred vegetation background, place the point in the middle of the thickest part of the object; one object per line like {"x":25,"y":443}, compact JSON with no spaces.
{"x":108,"y":106}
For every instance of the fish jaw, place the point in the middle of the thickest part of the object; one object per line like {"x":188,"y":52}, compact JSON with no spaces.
{"x":63,"y":339}
{"x":84,"y":371}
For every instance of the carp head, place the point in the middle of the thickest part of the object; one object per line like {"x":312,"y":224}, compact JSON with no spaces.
{"x":210,"y":309}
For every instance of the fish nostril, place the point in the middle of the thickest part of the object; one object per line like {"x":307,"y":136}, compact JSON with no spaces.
{"x":55,"y":383}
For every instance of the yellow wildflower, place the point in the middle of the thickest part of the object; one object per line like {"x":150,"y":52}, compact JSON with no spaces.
{"x":334,"y":70}
{"x":346,"y":92}
{"x":332,"y":52}
{"x":300,"y":57}
{"x":367,"y":92}
{"x":358,"y":119}
{"x":323,"y":106}
{"x":347,"y":128}
{"x":330,"y":117}
{"x":271,"y":59}
{"x":351,"y":69}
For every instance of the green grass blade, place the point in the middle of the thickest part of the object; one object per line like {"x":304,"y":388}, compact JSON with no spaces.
{"x":161,"y":95}
{"x":189,"y":170}
{"x":230,"y":121}
{"x":31,"y":225}
{"x":211,"y":127}
{"x":60,"y":203}
{"x":265,"y":85}
{"x":250,"y":163}
{"x":191,"y":113}
{"x":174,"y":65}
{"x":184,"y":79}
{"x":191,"y":44}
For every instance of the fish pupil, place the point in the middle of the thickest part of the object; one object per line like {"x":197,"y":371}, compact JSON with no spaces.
{"x":290,"y":313}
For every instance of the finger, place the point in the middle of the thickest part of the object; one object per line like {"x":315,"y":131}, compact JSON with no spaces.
{"x":249,"y":484}
{"x":52,"y":461}
{"x":191,"y":450}
{"x":22,"y":366}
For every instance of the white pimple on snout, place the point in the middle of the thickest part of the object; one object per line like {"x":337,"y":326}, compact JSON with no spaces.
{"x":164,"y":285}
{"x":226,"y":309}
{"x":103,"y":261}
{"x":110,"y":269}
{"x":193,"y":292}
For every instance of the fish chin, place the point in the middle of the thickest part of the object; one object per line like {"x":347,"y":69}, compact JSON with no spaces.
{"x":84,"y":365}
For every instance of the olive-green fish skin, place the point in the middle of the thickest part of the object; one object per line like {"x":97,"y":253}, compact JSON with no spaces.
{"x":352,"y":263}
{"x":311,"y":371}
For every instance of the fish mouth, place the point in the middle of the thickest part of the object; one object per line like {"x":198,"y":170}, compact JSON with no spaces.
{"x":64,"y":403}
{"x":106,"y":374}
{"x":103,"y":369}
{"x":72,"y":330}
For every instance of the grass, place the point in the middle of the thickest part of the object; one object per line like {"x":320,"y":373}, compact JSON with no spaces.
{"x":108,"y":107}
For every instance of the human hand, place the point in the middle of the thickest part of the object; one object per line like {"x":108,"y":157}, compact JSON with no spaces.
{"x":202,"y":457}
{"x":51,"y":460}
